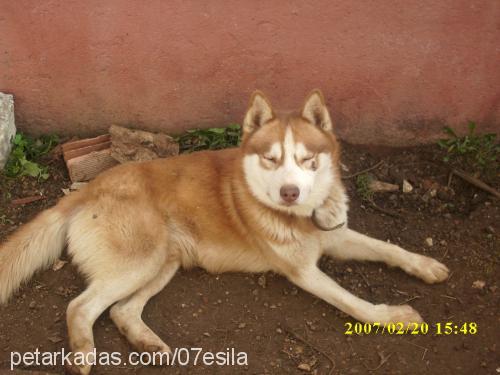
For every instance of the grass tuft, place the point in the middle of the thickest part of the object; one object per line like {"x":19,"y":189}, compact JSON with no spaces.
{"x":209,"y":139}
{"x":473,"y":151}
{"x":26,"y":151}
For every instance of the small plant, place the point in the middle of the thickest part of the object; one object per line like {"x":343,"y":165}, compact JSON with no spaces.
{"x":209,"y":139}
{"x":25,"y":153}
{"x":479,"y":151}
{"x":4,"y":220}
{"x":363,"y":187}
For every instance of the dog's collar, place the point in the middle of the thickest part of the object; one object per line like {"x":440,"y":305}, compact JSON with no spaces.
{"x":321,"y":227}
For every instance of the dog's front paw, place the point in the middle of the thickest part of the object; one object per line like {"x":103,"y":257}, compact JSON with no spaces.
{"x":430,"y":270}
{"x":398,"y":314}
{"x":154,"y":347}
{"x":326,"y":219}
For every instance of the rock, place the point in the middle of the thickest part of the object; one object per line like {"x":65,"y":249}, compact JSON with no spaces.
{"x":7,"y":126}
{"x":137,"y":145}
{"x":304,"y":367}
{"x":478,"y":284}
{"x":429,"y":242}
{"x":407,"y":187}
{"x":382,"y":187}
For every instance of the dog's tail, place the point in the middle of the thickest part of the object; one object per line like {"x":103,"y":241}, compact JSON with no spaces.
{"x":34,"y":246}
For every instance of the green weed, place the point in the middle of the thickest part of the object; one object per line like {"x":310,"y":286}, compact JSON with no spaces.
{"x":209,"y":139}
{"x":363,"y":187}
{"x":479,"y":151}
{"x":25,"y":153}
{"x":4,"y":220}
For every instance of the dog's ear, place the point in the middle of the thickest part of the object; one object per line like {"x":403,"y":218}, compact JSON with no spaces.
{"x":315,"y":111}
{"x":259,"y":112}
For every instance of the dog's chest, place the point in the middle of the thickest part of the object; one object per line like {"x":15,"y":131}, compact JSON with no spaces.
{"x":303,"y":251}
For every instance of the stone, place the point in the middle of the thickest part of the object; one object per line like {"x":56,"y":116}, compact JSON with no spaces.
{"x":138,"y":145}
{"x":304,"y":367}
{"x":7,"y":126}
{"x":478,"y":284}
{"x":407,"y":188}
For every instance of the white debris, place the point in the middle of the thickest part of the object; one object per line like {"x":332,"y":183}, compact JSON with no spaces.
{"x":304,"y":367}
{"x":407,"y":188}
{"x":429,"y":242}
{"x":478,"y":284}
{"x":262,"y":281}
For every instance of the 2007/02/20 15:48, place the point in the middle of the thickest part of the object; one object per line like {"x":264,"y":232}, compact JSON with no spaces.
{"x":448,"y":328}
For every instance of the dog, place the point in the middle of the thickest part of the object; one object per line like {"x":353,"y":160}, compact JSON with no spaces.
{"x":276,"y":203}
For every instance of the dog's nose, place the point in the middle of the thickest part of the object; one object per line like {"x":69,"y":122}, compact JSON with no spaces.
{"x":289,"y":193}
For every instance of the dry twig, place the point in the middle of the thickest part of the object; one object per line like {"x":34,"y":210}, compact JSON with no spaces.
{"x":26,"y":200}
{"x":363,"y":171}
{"x":476,"y":182}
{"x":385,"y":210}
{"x":453,"y":298}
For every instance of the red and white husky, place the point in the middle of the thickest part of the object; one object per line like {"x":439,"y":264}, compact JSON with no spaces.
{"x":268,"y":205}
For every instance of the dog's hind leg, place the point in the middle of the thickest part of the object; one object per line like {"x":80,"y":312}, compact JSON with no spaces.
{"x":126,"y":314}
{"x":349,"y":244}
{"x":85,"y":309}
{"x":120,"y":248}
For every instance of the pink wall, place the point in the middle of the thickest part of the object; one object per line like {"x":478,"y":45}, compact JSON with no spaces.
{"x":393,"y":71}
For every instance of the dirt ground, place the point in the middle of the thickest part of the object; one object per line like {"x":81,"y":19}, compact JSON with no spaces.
{"x":285,"y":330}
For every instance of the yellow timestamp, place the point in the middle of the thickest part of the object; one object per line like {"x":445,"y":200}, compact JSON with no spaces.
{"x":400,"y":328}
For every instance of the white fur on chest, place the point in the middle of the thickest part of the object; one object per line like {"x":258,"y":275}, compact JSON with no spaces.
{"x":305,"y":250}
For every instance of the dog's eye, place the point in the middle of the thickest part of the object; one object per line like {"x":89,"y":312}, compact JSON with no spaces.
{"x":269,"y":158}
{"x":308,"y":157}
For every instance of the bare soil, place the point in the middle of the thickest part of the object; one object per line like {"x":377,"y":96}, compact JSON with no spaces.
{"x":264,"y":315}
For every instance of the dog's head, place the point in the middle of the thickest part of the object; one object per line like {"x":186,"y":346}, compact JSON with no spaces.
{"x":290,"y":161}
